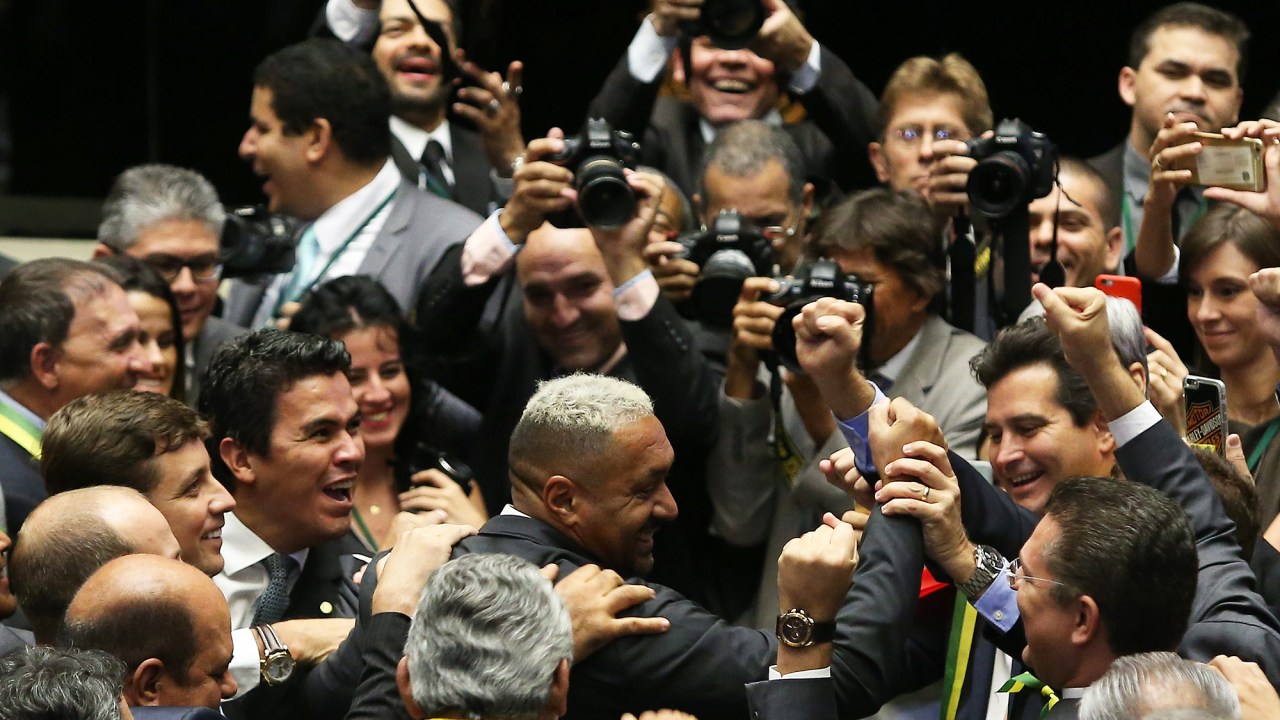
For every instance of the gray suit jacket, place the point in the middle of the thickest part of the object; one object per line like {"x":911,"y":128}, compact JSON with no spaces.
{"x":418,"y":231}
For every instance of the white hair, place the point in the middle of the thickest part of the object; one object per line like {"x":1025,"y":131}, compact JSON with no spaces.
{"x":1156,"y":684}
{"x":148,"y":195}
{"x":575,"y":417}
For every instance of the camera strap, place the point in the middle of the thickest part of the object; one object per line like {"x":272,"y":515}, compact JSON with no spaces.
{"x":790,"y":459}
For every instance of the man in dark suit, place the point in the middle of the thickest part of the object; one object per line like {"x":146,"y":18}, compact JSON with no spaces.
{"x":171,"y":219}
{"x":66,"y":330}
{"x":284,"y":440}
{"x":320,"y":137}
{"x":1186,"y":61}
{"x":730,"y":85}
{"x":166,"y":621}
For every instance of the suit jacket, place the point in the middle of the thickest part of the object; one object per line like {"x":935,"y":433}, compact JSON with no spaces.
{"x":473,"y":188}
{"x":833,"y":139}
{"x":1110,"y":165}
{"x":21,"y":482}
{"x":702,"y":663}
{"x":419,"y":229}
{"x":215,"y":332}
{"x":11,"y":639}
{"x":174,"y":713}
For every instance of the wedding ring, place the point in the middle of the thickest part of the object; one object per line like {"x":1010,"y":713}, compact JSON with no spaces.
{"x":511,"y":91}
{"x":925,"y":495}
{"x":1156,"y":165}
{"x":493,"y":107}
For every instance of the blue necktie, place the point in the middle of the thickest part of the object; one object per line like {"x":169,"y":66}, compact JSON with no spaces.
{"x":275,"y":599}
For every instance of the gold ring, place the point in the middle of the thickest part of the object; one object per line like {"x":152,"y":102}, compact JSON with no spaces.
{"x":925,"y":494}
{"x":1156,"y":164}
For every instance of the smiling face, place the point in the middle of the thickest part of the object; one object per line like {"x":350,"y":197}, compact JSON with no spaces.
{"x":208,"y":680}
{"x":193,"y":503}
{"x":101,"y":350}
{"x":568,"y":298}
{"x":188,"y":241}
{"x":730,"y":85}
{"x":301,"y":490}
{"x":1222,"y":308}
{"x":280,"y":157}
{"x":158,"y":338}
{"x":1187,"y":72}
{"x":409,"y":59}
{"x":1035,"y":444}
{"x":626,"y":499}
{"x":379,"y":384}
{"x":1086,"y":247}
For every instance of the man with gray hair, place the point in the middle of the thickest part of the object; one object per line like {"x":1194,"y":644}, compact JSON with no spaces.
{"x":41,"y":682}
{"x":170,"y":218}
{"x":1154,"y":684}
{"x":490,"y":639}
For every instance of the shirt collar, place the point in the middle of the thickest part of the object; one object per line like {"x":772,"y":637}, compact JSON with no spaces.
{"x":22,"y":410}
{"x":893,"y":366}
{"x":511,"y":510}
{"x":341,"y":221}
{"x":415,"y":139}
{"x":773,"y":117}
{"x":242,"y":548}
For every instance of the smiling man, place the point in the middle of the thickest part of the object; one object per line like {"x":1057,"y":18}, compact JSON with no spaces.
{"x":285,"y":440}
{"x":318,"y":136}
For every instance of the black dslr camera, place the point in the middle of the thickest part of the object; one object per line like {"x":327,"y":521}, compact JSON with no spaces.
{"x":728,"y":252}
{"x":597,"y":158}
{"x":730,"y":24}
{"x":425,"y":456}
{"x":257,"y":242}
{"x":1015,"y":166}
{"x":821,"y":279}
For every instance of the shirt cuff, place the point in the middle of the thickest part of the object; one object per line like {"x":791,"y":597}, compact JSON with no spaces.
{"x":1170,"y":276}
{"x":486,"y":252}
{"x":999,"y":603}
{"x":648,"y":52}
{"x":856,"y":431}
{"x":803,"y":79}
{"x":1134,"y":423}
{"x":799,"y":674}
{"x":349,"y":23}
{"x":246,"y":662}
{"x":635,"y":297}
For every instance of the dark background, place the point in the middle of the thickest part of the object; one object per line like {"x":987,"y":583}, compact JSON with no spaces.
{"x":96,"y":87}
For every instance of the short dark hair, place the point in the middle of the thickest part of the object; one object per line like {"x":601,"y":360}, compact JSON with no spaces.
{"x":38,"y":682}
{"x":37,"y":303}
{"x":1190,"y":14}
{"x":745,"y":147}
{"x":121,"y":632}
{"x":1238,"y":495}
{"x":136,"y":275}
{"x":108,"y":439}
{"x":325,"y":78}
{"x":245,"y":378}
{"x":1108,"y":205}
{"x":47,"y":569}
{"x":897,"y":227}
{"x":1131,"y":549}
{"x":1029,"y":343}
{"x":1254,"y":237}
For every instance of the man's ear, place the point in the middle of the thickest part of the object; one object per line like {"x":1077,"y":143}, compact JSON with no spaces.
{"x":319,"y":137}
{"x":406,"y":689}
{"x":143,"y":686}
{"x":1106,"y":441}
{"x":1088,"y":622}
{"x":237,"y":460}
{"x":103,"y":250}
{"x":875,"y":152}
{"x":1114,"y":240}
{"x":1139,"y":375}
{"x":558,"y":698}
{"x":559,"y":494}
{"x":1128,"y":79}
{"x":808,"y":199}
{"x":44,"y":365}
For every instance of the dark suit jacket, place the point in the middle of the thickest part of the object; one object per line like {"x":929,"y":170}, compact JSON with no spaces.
{"x":174,"y":713}
{"x":419,"y":229}
{"x":11,"y":639}
{"x":21,"y":482}
{"x":1110,"y":165}
{"x":473,"y":188}
{"x":833,"y":139}
{"x":215,"y":332}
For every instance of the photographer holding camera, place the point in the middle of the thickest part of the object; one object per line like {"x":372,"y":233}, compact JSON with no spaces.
{"x":736,"y":57}
{"x":773,"y":491}
{"x":522,"y":301}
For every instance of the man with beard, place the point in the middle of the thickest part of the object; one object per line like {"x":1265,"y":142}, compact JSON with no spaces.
{"x":471,"y":168}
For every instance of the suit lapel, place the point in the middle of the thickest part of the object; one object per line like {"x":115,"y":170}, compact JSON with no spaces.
{"x":392,"y":233}
{"x":410,"y":168}
{"x":923,"y":368}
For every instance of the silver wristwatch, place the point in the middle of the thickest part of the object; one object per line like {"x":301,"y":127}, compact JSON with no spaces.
{"x":987,"y":565}
{"x":277,"y":662}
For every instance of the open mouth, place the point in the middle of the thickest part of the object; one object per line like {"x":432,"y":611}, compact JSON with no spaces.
{"x":421,"y":67}
{"x":341,"y":491}
{"x":212,"y":535}
{"x":1025,"y":479}
{"x":733,"y":86}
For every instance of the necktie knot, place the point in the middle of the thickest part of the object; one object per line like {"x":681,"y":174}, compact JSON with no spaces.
{"x":434,"y":162}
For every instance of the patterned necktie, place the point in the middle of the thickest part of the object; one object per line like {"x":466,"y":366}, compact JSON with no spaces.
{"x":275,"y":599}
{"x":1027,"y":681}
{"x":433,"y":161}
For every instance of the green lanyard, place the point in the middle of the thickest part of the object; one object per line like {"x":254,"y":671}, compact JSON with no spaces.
{"x":1131,"y":233}
{"x":280,"y":301}
{"x":19,"y":428}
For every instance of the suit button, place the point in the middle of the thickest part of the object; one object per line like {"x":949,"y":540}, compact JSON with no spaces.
{"x":326,"y":607}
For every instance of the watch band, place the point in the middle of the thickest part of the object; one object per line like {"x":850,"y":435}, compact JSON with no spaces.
{"x":277,"y":662}
{"x":988,"y":563}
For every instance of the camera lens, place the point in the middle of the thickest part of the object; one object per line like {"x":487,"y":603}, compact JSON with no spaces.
{"x":999,"y":184}
{"x":604,"y":197}
{"x":732,"y":24}
{"x":719,"y":285}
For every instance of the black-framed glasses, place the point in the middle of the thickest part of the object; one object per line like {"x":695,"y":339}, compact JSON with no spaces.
{"x":204,"y":269}
{"x":1016,"y":576}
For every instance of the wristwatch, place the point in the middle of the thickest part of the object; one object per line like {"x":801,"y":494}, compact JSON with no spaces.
{"x":277,"y":663}
{"x":987,"y":565}
{"x":796,"y":629}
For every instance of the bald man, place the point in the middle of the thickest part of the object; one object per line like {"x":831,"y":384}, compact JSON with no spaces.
{"x":166,"y":621}
{"x":72,"y":534}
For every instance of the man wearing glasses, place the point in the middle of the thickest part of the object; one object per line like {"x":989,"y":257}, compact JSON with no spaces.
{"x":170,"y":218}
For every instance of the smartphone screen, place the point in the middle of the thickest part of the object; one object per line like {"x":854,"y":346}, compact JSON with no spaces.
{"x":1205,"y":401}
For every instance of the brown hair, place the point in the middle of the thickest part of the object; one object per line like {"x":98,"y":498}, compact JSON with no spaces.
{"x":1256,"y":238}
{"x":952,"y":75}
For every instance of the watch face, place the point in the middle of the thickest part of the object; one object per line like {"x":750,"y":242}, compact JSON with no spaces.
{"x":279,"y":667}
{"x":796,"y":629}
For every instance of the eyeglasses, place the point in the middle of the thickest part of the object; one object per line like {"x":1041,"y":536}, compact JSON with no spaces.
{"x":911,"y":134}
{"x":204,"y":269}
{"x":777,"y":233}
{"x":1016,"y":576}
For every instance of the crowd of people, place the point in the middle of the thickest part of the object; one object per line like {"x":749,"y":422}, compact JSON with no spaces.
{"x":756,"y":426}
